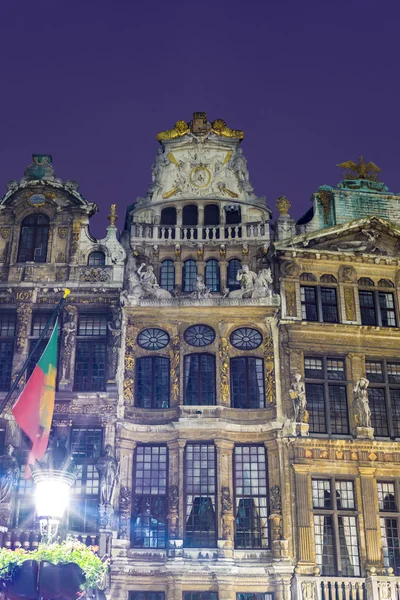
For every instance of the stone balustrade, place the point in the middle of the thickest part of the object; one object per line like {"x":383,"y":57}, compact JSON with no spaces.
{"x":373,"y":587}
{"x":29,"y":539}
{"x":159,"y":233}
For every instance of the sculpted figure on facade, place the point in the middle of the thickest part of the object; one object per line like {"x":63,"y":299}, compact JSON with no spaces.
{"x":263,"y":284}
{"x":9,"y":475}
{"x":115,"y":331}
{"x":201,"y":291}
{"x":247,"y":280}
{"x":68,"y":341}
{"x":367,"y":243}
{"x":107,"y":468}
{"x":173,"y":506}
{"x":362,"y":411}
{"x":148,"y":283}
{"x":297,"y":394}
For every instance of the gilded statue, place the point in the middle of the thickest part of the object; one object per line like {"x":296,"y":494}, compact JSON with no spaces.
{"x":219,"y":127}
{"x":181,"y":128}
{"x":362,"y":170}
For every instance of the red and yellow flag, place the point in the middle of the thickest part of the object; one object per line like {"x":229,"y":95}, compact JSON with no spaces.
{"x":33,"y":411}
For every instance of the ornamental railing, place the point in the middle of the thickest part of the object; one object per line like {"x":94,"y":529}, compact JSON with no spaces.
{"x":158,"y":233}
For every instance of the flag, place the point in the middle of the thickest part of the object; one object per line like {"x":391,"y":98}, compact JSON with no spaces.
{"x":33,"y":411}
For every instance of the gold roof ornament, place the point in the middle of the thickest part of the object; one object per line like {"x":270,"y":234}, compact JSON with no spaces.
{"x":362,"y":170}
{"x":181,"y":128}
{"x":220,"y":128}
{"x":283,"y":205}
{"x":112,"y":217}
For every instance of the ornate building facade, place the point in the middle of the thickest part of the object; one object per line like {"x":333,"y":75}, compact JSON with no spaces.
{"x":230,"y":390}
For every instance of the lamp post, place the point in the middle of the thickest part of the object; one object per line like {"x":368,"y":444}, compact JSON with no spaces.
{"x":51,"y":499}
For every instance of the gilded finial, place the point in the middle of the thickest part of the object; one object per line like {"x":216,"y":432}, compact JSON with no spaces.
{"x":283,"y":205}
{"x":112,"y":217}
{"x":362,"y":170}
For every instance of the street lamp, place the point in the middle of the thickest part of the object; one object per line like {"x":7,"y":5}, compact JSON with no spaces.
{"x":51,"y":498}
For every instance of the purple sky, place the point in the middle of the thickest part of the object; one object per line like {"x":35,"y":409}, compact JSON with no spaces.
{"x":312,"y":83}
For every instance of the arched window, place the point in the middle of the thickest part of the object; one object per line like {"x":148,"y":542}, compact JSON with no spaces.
{"x":189,"y":215}
{"x":96,"y":259}
{"x":199,"y":379}
{"x":212,"y":279}
{"x":234,"y":265}
{"x":168,"y":216}
{"x":247,"y":382}
{"x":34,"y":239}
{"x":189,"y":275}
{"x":233,"y":215}
{"x":167,"y":275}
{"x":211,"y":214}
{"x":152,"y":382}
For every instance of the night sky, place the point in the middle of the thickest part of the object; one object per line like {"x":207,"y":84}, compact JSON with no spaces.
{"x":311,"y":83}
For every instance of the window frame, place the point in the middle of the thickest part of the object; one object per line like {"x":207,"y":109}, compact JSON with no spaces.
{"x":387,"y":386}
{"x":246,"y":358}
{"x":94,"y":256}
{"x":153,"y":359}
{"x":327,"y":383}
{"x":158,"y":495}
{"x":167,"y":272}
{"x":236,"y":284}
{"x":244,"y":496}
{"x":190,"y":264}
{"x":319,"y":304}
{"x":213,"y":537}
{"x":336,"y":513}
{"x":390,"y":514}
{"x":37,"y":230}
{"x":212,"y":280}
{"x":199,"y":378}
{"x":93,"y":339}
{"x":376,"y":292}
{"x":8,"y":349}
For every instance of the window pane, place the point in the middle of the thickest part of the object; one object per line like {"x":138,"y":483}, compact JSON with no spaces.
{"x":86,"y":443}
{"x":324,"y":548}
{"x":345,"y":494}
{"x":386,"y":496}
{"x":33,"y":239}
{"x":335,"y":369}
{"x":395,"y":405}
{"x":212,"y":279}
{"x":90,"y":366}
{"x":200,"y":496}
{"x":329,"y":305}
{"x":6,"y":359}
{"x":247,"y":382}
{"x":199,"y":379}
{"x":338,"y":409}
{"x":250,"y":476}
{"x":189,"y":275}
{"x":97,"y":259}
{"x":146,"y":596}
{"x":388,"y":315}
{"x":348,"y":541}
{"x":149,"y":516}
{"x":167,"y":275}
{"x":390,"y":544}
{"x":39,"y":320}
{"x":254,"y":596}
{"x":152,"y":382}
{"x":7,"y":324}
{"x":308,"y":297}
{"x":377,"y":404}
{"x":313,"y":368}
{"x":200,"y":596}
{"x":374,"y":371}
{"x":393,"y":370}
{"x":321,"y":493}
{"x":367,"y":307}
{"x":316,"y":407}
{"x":93,"y":324}
{"x":234,"y":266}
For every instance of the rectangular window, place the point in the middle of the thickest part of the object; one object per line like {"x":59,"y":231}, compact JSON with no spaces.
{"x":199,"y":379}
{"x":91,"y":353}
{"x":200,"y":496}
{"x":24,"y":508}
{"x":200,"y":596}
{"x":384,"y":397}
{"x":377,"y":308}
{"x":152,"y":382}
{"x":254,"y":596}
{"x":335,"y":528}
{"x":389,"y":522}
{"x":93,"y":325}
{"x":149,"y":512}
{"x":39,"y":320}
{"x":325,"y":380}
{"x":7,"y":335}
{"x":319,"y":304}
{"x":146,"y":596}
{"x":86,"y":443}
{"x":247,"y":382}
{"x":251,"y":518}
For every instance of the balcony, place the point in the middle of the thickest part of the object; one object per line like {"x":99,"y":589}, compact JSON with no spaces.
{"x":373,"y":587}
{"x":222,"y":233}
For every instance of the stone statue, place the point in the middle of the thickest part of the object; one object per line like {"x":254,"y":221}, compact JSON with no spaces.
{"x":148,"y":283}
{"x":200,"y":289}
{"x":115,"y":330}
{"x":263,"y":284}
{"x":173,"y":505}
{"x":362,"y":412}
{"x":247,"y":280}
{"x":275,"y":500}
{"x":107,"y":468}
{"x":9,"y":475}
{"x":367,"y":244}
{"x":226,"y":500}
{"x":297,"y":394}
{"x":239,"y":165}
{"x":69,"y":334}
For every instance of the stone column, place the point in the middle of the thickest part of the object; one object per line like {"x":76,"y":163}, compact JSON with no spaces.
{"x":173,"y":589}
{"x":68,"y":347}
{"x":181,"y":510}
{"x":372,"y":534}
{"x":223,"y":365}
{"x":226,"y":590}
{"x":224,"y":497}
{"x":305,"y":541}
{"x":175,"y":500}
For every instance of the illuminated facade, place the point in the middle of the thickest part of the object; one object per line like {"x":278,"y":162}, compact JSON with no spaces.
{"x":241,"y":382}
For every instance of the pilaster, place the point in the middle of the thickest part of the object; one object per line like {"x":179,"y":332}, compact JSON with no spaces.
{"x":305,"y":542}
{"x":225,"y":494}
{"x":373,"y":542}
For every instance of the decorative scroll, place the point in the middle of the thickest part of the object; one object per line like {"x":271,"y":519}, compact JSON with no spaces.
{"x":173,"y":506}
{"x":224,"y":367}
{"x":24,"y":313}
{"x":129,"y":364}
{"x":269,"y":368}
{"x":290,"y":297}
{"x":175,"y":368}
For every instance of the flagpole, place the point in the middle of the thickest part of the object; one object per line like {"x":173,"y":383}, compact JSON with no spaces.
{"x":52,"y":318}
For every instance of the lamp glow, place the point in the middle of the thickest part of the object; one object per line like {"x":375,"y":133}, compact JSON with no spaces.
{"x":51,"y":499}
